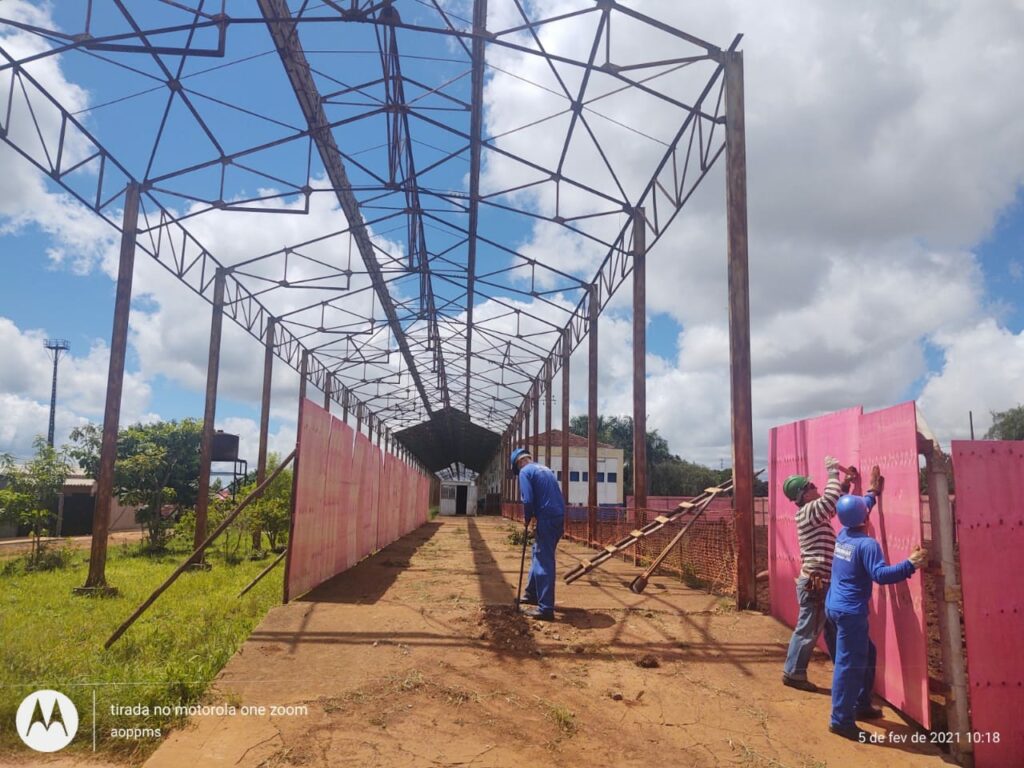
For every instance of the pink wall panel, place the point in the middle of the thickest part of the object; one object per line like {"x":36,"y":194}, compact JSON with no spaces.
{"x":800,"y":448}
{"x":303,"y":554}
{"x":989,"y":479}
{"x":340,"y":463}
{"x":887,"y":438}
{"x":367,"y":518}
{"x":360,"y":493}
{"x":376,"y":479}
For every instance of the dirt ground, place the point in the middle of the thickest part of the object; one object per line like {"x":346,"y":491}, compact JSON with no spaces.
{"x":415,"y":658}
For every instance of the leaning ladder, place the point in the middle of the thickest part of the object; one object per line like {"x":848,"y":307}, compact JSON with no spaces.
{"x":697,"y":505}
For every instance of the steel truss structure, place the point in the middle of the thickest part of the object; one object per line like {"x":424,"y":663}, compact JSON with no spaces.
{"x":491,"y":179}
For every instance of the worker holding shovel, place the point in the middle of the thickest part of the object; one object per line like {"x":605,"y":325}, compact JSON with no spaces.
{"x":542,"y":499}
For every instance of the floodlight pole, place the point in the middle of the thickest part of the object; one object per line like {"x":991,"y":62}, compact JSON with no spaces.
{"x":595,"y":313}
{"x":55,"y":347}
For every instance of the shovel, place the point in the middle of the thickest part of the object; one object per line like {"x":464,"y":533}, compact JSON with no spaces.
{"x":522,"y":567}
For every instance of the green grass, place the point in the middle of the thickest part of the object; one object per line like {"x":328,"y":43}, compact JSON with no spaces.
{"x":52,"y":639}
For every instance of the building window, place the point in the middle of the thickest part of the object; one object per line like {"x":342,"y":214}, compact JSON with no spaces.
{"x":574,"y":476}
{"x":613,"y":477}
{"x":600,"y":477}
{"x":559,"y":477}
{"x":586,"y":477}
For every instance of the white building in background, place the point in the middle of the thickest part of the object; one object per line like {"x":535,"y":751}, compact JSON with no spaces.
{"x":609,"y":469}
{"x":458,"y":497}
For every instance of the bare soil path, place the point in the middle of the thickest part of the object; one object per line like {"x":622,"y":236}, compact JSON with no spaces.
{"x":415,"y":658}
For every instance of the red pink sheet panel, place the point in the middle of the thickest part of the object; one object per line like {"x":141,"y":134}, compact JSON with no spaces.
{"x":989,"y":482}
{"x":887,"y":438}
{"x":304,"y":550}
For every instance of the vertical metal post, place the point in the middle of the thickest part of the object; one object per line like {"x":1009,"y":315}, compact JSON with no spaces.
{"x":594,"y":307}
{"x":210,"y":411}
{"x":328,"y":378}
{"x":739,"y":330}
{"x":344,"y":404}
{"x":268,"y":374}
{"x":547,"y":413}
{"x":566,"y":350}
{"x":639,"y":375}
{"x":261,"y":457}
{"x":947,"y":594}
{"x":303,"y":370}
{"x":536,"y":420}
{"x":97,"y":579}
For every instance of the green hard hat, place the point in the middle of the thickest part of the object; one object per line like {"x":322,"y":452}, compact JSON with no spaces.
{"x":793,"y":485}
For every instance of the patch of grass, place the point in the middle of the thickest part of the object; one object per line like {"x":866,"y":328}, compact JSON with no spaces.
{"x":515,"y":537}
{"x":50,"y":638}
{"x":563,"y":718}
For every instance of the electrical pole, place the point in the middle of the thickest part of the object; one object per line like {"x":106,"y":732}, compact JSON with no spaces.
{"x":55,"y":347}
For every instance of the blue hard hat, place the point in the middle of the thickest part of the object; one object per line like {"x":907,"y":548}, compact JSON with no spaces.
{"x":852,"y":510}
{"x":517,"y":454}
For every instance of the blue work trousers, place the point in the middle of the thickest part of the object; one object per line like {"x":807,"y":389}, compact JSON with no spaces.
{"x":854,"y":675}
{"x":809,"y":625}
{"x":541,"y":584}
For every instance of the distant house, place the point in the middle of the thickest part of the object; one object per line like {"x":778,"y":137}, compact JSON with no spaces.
{"x":609,"y":468}
{"x":75,"y":510}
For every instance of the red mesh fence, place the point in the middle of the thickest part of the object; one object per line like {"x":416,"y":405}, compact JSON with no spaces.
{"x":705,"y":557}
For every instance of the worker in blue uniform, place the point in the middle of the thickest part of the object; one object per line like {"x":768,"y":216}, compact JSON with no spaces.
{"x":858,"y":562}
{"x":543,"y":502}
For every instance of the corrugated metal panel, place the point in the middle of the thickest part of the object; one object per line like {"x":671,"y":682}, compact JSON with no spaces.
{"x":989,"y":478}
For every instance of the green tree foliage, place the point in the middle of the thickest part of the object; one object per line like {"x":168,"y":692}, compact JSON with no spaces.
{"x":271,"y":512}
{"x":668,"y":474}
{"x":157,"y":465}
{"x":31,"y":492}
{"x":1007,"y":425}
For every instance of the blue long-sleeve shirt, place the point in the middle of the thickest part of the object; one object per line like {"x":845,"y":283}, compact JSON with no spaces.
{"x":540,"y":492}
{"x":858,"y":562}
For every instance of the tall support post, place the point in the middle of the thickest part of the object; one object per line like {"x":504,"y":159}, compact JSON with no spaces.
{"x":344,"y":404}
{"x":96,"y":581}
{"x":210,"y":411}
{"x":566,"y":351}
{"x":261,"y":457}
{"x":594,"y":307}
{"x":547,"y":413}
{"x":268,"y":374}
{"x":947,"y":593}
{"x":359,"y":418}
{"x":739,"y":330}
{"x":536,"y":420}
{"x":328,"y":380}
{"x":639,"y":374}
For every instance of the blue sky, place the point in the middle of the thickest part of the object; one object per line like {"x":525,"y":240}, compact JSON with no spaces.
{"x":883,"y":230}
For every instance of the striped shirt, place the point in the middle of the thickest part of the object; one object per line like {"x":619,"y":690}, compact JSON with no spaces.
{"x":814,"y":529}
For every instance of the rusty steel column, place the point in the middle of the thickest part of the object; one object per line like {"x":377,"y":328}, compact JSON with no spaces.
{"x":344,"y":404}
{"x":639,"y":375}
{"x":739,"y":330}
{"x":594,"y":307}
{"x":639,"y":361}
{"x":328,"y":378}
{"x":566,"y":350}
{"x":261,"y":457}
{"x":547,"y":413}
{"x":268,"y":374}
{"x":96,"y":581}
{"x":536,"y":421}
{"x":210,"y":411}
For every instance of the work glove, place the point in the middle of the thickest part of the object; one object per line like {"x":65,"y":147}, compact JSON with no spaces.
{"x":877,"y":481}
{"x":919,"y":556}
{"x":831,"y":463}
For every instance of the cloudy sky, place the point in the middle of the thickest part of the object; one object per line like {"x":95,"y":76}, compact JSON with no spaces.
{"x":885,"y":152}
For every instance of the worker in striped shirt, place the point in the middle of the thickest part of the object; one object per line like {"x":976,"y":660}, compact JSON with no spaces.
{"x":817,"y":541}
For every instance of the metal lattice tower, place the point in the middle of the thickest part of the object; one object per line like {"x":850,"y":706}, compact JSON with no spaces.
{"x":55,"y":347}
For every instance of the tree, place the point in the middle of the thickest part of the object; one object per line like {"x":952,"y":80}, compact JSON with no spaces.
{"x":1007,"y":425}
{"x":30,"y":496}
{"x":272,"y":511}
{"x":157,"y":465}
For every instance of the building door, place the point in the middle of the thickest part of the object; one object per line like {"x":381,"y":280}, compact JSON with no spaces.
{"x":461,"y":495}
